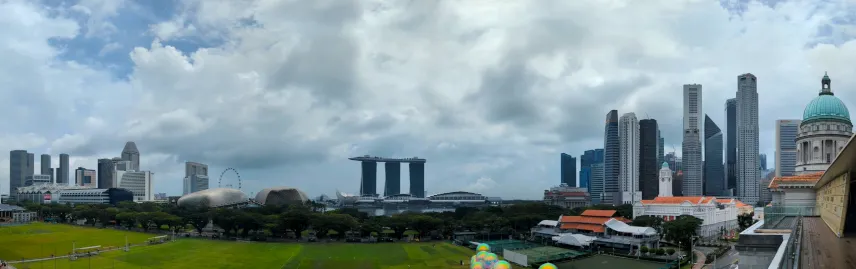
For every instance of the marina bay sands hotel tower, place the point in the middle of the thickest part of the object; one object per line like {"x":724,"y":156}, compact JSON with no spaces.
{"x":392,"y":167}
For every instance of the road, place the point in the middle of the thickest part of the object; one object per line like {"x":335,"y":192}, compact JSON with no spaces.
{"x":727,"y":260}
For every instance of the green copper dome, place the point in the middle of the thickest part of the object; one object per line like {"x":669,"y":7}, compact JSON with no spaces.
{"x":665,"y":165}
{"x":826,"y":107}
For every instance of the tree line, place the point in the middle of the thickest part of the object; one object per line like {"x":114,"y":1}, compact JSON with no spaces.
{"x":292,"y":220}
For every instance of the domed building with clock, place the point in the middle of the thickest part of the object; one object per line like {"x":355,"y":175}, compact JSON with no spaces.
{"x":823,"y":133}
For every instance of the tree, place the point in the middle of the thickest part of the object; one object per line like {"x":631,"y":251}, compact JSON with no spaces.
{"x":644,"y":249}
{"x":399,"y":224}
{"x":649,"y":221}
{"x":745,"y":220}
{"x":660,"y":251}
{"x":670,"y":251}
{"x":682,"y":230}
{"x":127,"y":219}
{"x":424,"y":224}
{"x":296,"y":219}
{"x":226,"y":219}
{"x":198,"y":219}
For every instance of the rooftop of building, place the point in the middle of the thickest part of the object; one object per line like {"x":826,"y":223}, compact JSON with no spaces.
{"x":8,"y":208}
{"x":810,"y":178}
{"x":367,"y":158}
{"x":822,"y":249}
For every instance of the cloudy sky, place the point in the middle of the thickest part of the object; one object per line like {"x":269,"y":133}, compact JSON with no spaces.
{"x":489,"y":91}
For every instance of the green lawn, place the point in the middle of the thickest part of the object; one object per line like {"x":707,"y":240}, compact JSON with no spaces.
{"x":21,"y":241}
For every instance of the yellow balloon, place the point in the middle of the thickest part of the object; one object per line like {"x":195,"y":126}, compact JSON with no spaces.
{"x":548,"y":266}
{"x":502,"y":265}
{"x":477,"y":265}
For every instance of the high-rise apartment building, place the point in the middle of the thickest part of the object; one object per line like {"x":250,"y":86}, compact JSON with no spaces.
{"x":62,"y":171}
{"x":589,"y":158}
{"x":85,"y":177}
{"x":748,"y":174}
{"x":731,"y":145}
{"x":132,"y":154}
{"x":195,"y":177}
{"x":628,"y":135}
{"x":649,"y":150}
{"x":714,"y":171}
{"x":568,"y":167}
{"x":786,"y":146}
{"x":610,"y":193}
{"x":106,"y":171}
{"x":691,"y":147}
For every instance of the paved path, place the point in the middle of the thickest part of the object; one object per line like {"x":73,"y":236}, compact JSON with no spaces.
{"x":66,"y":256}
{"x":700,"y":259}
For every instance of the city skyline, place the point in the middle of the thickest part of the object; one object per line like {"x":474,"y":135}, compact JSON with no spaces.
{"x":492,"y":104}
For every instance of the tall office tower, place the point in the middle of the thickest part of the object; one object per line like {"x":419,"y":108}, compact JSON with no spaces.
{"x":18,"y":164}
{"x":568,"y":167}
{"x":748,"y":174}
{"x":610,"y":193}
{"x":714,"y":172}
{"x":62,"y":171}
{"x":691,"y":148}
{"x":195,"y":177}
{"x":46,"y":166}
{"x":661,"y":143}
{"x":762,"y":162}
{"x":786,"y":146}
{"x":85,"y":177}
{"x":589,"y":158}
{"x":649,"y":151}
{"x":596,"y":175}
{"x":628,"y":135}
{"x":368,"y":179}
{"x":138,"y":182}
{"x":106,"y":169}
{"x":130,"y":153}
{"x":731,"y":145}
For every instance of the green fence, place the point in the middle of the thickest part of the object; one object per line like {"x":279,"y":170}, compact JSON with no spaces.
{"x":548,"y":254}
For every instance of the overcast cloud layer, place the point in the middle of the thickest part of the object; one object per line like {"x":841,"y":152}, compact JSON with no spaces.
{"x":490,"y":92}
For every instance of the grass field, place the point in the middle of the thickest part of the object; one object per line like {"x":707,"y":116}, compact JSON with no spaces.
{"x":28,"y":240}
{"x":603,"y":261}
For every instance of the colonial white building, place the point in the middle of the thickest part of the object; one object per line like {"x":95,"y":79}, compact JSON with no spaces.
{"x":823,"y":132}
{"x":717,"y":215}
{"x":665,"y":189}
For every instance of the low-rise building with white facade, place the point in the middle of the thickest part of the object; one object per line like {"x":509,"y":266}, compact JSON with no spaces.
{"x":596,"y":227}
{"x":138,"y":182}
{"x":65,"y":194}
{"x":718,"y":215}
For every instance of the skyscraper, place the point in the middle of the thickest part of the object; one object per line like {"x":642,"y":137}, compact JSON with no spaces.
{"x":610,"y":193}
{"x":661,"y":143}
{"x":649,"y":150}
{"x":691,"y":146}
{"x":130,"y":153}
{"x":589,"y":158}
{"x":714,"y":172}
{"x":46,"y":166}
{"x":62,"y":171}
{"x":628,"y":135}
{"x":106,"y":180}
{"x":195,"y":177}
{"x":786,"y":146}
{"x":748,"y":174}
{"x":762,"y":162}
{"x":731,"y":145}
{"x":20,"y":166}
{"x":568,"y":166}
{"x":85,"y":177}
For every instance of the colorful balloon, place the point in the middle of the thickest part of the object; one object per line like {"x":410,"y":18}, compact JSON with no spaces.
{"x":477,"y":265}
{"x":547,"y":266}
{"x":505,"y":265}
{"x":481,"y":255}
{"x":473,"y":259}
{"x":483,"y":247}
{"x":490,"y":259}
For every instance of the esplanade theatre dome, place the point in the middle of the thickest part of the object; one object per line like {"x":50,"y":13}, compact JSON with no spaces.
{"x":212,"y":198}
{"x":823,"y":132}
{"x":279,"y":196}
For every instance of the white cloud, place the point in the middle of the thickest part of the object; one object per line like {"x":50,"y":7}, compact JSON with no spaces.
{"x":286,"y":90}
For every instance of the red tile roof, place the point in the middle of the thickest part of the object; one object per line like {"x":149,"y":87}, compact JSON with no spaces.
{"x":804,"y":179}
{"x":679,"y":199}
{"x":581,"y":226}
{"x":598,"y":213}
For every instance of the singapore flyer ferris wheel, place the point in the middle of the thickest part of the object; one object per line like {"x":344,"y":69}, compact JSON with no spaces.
{"x":220,"y":181}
